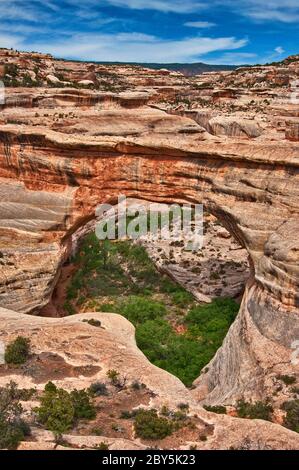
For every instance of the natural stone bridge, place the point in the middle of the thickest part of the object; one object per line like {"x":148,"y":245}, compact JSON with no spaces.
{"x":51,"y":184}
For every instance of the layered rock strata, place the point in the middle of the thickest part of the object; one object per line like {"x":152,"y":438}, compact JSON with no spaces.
{"x":88,"y":352}
{"x":64,"y":151}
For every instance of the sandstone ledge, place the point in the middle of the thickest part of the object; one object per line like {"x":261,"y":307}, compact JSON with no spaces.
{"x":113,"y":346}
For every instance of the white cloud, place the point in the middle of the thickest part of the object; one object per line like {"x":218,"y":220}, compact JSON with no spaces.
{"x":136,"y":37}
{"x":24,"y":29}
{"x":166,"y":6}
{"x":19,"y":10}
{"x":7,"y":41}
{"x":273,"y":3}
{"x":285,"y":11}
{"x":280,"y":50}
{"x":274,"y":15}
{"x":49,"y":4}
{"x":236,"y":58}
{"x":136,"y":47}
{"x":14,"y":11}
{"x":199,"y":24}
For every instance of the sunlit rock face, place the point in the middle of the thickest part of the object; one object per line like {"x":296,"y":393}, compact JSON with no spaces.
{"x":75,"y":354}
{"x":62,"y":152}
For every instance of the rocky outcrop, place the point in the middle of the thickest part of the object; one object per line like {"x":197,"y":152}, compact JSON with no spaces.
{"x":234,"y":127}
{"x":70,"y":97}
{"x":86,"y":353}
{"x":252,"y":188}
{"x":64,"y":151}
{"x":292,"y":131}
{"x":224,"y":125}
{"x":218,"y":268}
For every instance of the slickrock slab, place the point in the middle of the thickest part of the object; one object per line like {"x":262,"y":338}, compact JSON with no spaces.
{"x":113,"y":346}
{"x":63,"y":151}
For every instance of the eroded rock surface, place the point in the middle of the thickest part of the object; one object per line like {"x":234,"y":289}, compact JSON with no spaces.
{"x":64,"y":150}
{"x":84,"y":347}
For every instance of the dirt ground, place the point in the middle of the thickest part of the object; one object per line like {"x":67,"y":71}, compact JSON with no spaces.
{"x":46,"y":367}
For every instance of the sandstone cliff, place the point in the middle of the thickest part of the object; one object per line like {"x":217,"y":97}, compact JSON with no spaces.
{"x":63,"y":152}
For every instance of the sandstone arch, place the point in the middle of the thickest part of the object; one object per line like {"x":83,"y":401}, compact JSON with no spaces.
{"x":51,"y":183}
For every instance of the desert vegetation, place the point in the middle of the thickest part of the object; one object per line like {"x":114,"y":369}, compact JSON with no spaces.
{"x":59,"y":410}
{"x":291,"y":419}
{"x":70,"y":139}
{"x":148,"y":425}
{"x":17,"y":352}
{"x":172,"y":329}
{"x":100,"y":411}
{"x":13,"y":428}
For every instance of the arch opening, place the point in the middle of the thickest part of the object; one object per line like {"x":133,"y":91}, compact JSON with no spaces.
{"x":172,"y":296}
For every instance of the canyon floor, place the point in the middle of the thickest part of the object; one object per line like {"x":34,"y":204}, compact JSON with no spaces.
{"x":74,"y":135}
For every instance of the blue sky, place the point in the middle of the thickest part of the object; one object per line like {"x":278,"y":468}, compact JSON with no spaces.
{"x":214,"y":31}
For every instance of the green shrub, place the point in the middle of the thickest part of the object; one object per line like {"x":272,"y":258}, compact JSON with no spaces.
{"x":182,"y":298}
{"x":11,"y":69}
{"x":56,"y":411}
{"x":125,"y":415}
{"x":69,"y":308}
{"x":224,"y":307}
{"x":212,"y":321}
{"x":215,"y":409}
{"x":287,"y":379}
{"x":11,"y":434}
{"x":137,"y":385}
{"x":13,"y":428}
{"x":59,"y":409}
{"x":98,"y":389}
{"x":113,"y":375}
{"x":102,"y":446}
{"x":140,"y":309}
{"x":179,"y":416}
{"x":165,"y":411}
{"x":28,"y":82}
{"x":15,"y":393}
{"x":183,"y":406}
{"x":97,"y":431}
{"x":50,"y":387}
{"x":17,"y":352}
{"x":148,"y":425}
{"x":107,"y":308}
{"x":178,"y":354}
{"x":84,"y":409}
{"x":168,"y":286}
{"x":183,"y":355}
{"x":291,"y":420}
{"x":128,"y":414}
{"x":257,"y":410}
